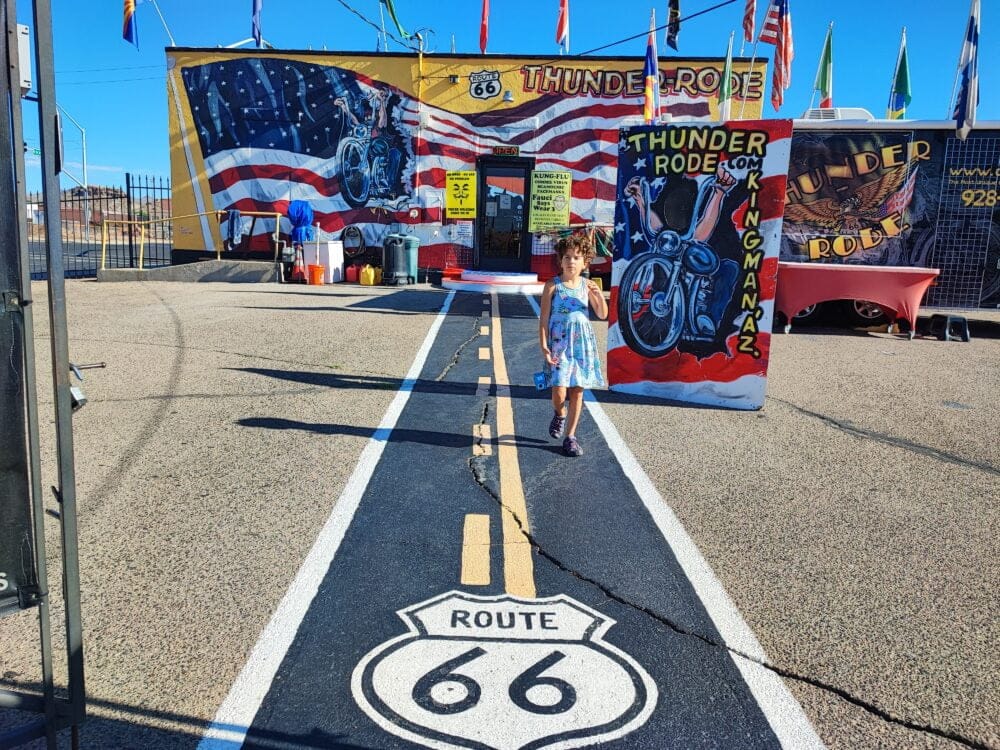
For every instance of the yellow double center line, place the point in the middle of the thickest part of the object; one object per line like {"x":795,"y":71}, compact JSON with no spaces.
{"x":518,"y":568}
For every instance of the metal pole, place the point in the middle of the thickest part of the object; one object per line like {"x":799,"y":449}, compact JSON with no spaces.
{"x":385,"y":38}
{"x":30,"y":385}
{"x":86,"y":185}
{"x":746,"y":89}
{"x":165,"y":28}
{"x":66,"y":492}
{"x":128,"y":213}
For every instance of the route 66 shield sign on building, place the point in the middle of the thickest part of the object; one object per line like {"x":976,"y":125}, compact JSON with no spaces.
{"x":503,"y":673}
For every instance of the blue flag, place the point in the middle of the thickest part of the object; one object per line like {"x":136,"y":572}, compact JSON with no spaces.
{"x":255,"y":22}
{"x":968,"y":64}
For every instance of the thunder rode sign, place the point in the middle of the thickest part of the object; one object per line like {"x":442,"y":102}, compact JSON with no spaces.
{"x":697,"y":234}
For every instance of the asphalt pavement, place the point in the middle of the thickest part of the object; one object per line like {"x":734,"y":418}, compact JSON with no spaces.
{"x":853,"y":522}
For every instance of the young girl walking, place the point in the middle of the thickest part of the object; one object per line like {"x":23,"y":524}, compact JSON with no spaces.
{"x":567,"y":339}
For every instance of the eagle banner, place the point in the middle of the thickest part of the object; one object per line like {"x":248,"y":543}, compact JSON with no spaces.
{"x":697,"y":234}
{"x":899,"y":197}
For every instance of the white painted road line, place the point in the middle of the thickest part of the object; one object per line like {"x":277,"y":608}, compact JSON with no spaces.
{"x":783,"y":712}
{"x":232,"y":721}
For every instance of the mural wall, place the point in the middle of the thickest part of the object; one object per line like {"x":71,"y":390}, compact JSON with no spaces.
{"x":368,"y":139}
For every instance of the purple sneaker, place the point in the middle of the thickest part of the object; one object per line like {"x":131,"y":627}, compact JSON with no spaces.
{"x":571,"y":447}
{"x":556,"y":425}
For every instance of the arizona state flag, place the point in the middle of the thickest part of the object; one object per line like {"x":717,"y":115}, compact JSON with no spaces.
{"x":651,"y":74}
{"x":130,"y":32}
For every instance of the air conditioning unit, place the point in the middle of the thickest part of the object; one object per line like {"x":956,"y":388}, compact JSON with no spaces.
{"x":838,"y":113}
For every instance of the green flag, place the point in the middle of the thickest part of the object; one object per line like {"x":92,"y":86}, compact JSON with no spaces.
{"x":392,"y":14}
{"x":824,"y":76}
{"x":899,"y":97}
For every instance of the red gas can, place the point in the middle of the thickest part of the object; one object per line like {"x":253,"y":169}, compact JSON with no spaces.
{"x":351,"y":274}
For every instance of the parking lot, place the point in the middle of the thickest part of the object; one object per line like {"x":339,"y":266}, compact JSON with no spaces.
{"x":853,"y":521}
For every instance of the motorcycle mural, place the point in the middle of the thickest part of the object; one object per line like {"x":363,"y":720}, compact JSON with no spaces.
{"x":368,"y":161}
{"x":679,"y":287}
{"x":697,"y":234}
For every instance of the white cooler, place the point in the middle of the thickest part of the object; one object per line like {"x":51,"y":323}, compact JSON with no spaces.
{"x":330,"y":255}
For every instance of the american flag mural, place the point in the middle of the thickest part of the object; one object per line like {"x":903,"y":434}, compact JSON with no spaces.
{"x":368,"y":149}
{"x":697,"y":237}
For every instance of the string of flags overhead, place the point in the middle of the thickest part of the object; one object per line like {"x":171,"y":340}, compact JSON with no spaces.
{"x":776,"y":30}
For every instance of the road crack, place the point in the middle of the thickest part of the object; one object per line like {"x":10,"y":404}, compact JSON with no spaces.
{"x":896,"y":442}
{"x":476,"y":325}
{"x":477,"y":466}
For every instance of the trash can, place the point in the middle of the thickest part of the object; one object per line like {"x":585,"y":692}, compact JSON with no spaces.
{"x":412,"y":243}
{"x":393,"y":260}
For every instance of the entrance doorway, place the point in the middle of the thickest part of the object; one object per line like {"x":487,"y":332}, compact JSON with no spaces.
{"x":502,"y":239}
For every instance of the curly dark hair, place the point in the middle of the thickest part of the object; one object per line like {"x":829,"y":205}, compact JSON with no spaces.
{"x":576,"y":241}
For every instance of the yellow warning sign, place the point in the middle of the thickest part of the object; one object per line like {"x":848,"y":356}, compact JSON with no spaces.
{"x":460,"y":194}
{"x":550,"y":194}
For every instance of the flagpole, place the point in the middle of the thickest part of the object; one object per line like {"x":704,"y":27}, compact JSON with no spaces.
{"x":746,"y":90}
{"x":381,"y":15}
{"x":895,"y":74}
{"x":727,"y":71}
{"x":165,"y":28}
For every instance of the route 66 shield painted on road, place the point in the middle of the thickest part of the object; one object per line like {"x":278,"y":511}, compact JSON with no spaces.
{"x":503,"y":673}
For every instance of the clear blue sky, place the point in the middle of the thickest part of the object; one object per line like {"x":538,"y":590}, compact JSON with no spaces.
{"x":118,"y":93}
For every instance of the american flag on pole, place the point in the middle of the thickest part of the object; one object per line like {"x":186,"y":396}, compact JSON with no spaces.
{"x":749,"y":17}
{"x":777,"y":30}
{"x":562,"y":25}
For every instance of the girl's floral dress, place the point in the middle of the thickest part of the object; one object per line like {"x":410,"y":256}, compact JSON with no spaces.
{"x":571,"y":338}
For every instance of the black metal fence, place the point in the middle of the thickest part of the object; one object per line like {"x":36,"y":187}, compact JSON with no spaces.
{"x":82,"y":213}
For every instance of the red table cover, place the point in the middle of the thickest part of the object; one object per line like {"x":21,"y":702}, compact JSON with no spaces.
{"x":897,"y":289}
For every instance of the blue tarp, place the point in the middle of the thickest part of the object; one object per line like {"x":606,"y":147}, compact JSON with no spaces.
{"x":300,"y":213}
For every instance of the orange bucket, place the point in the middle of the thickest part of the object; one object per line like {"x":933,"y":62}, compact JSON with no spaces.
{"x":316,"y":274}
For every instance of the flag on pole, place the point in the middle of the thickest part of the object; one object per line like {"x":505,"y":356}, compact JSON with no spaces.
{"x":899,"y":96}
{"x":392,"y":14}
{"x":749,"y":16}
{"x":484,"y":27}
{"x":824,"y":74}
{"x":726,"y":85}
{"x":562,"y":25}
{"x":777,"y":30}
{"x":255,"y":22}
{"x":130,"y":32}
{"x":673,"y":22}
{"x":968,"y":65}
{"x":651,"y":73}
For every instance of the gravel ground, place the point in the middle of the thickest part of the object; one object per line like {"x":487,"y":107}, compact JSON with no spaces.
{"x":854,"y":520}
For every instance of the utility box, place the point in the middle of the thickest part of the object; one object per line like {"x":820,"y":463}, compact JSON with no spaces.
{"x":24,"y":58}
